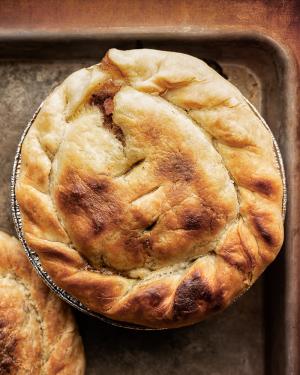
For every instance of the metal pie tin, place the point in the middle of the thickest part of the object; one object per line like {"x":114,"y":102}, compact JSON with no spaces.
{"x":34,"y":258}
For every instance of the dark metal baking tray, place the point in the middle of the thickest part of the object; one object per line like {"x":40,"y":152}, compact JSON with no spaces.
{"x":259,"y":333}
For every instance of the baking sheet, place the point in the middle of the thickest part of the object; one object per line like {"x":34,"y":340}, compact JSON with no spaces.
{"x":246,"y":337}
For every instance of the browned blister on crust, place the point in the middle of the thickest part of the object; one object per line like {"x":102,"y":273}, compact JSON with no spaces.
{"x":155,"y":197}
{"x":38,"y":334}
{"x":208,"y":287}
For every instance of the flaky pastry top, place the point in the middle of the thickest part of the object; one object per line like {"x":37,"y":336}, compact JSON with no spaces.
{"x":150,"y":189}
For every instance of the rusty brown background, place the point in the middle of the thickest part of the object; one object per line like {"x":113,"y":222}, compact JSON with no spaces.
{"x":278,"y":18}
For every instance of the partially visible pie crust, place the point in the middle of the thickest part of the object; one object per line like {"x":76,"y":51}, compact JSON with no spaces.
{"x":38,"y":334}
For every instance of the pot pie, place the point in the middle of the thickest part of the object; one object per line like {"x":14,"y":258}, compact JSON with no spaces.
{"x":38,"y":335}
{"x":150,"y":189}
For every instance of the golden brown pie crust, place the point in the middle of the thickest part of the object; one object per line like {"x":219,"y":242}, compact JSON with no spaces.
{"x":150,"y":190}
{"x":38,"y":335}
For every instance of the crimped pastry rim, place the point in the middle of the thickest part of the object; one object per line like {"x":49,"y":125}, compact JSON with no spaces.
{"x":34,"y":258}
